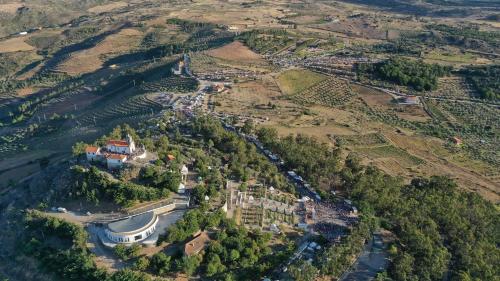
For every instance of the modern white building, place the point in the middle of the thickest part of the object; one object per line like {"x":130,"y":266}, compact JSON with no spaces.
{"x":132,"y":229}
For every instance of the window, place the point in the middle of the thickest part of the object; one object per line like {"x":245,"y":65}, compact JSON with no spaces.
{"x":138,"y":237}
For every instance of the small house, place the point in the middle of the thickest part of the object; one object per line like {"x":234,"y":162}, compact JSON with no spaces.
{"x":115,"y":161}
{"x":411,"y":100}
{"x":93,"y":153}
{"x":197,"y":244}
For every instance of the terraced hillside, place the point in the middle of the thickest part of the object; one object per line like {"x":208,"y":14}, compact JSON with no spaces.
{"x":134,"y":106}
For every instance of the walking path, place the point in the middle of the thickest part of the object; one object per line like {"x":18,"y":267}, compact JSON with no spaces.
{"x":373,"y":259}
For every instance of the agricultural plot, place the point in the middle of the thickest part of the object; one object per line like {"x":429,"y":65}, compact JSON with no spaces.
{"x":271,"y":44}
{"x":16,"y":44}
{"x":453,"y":87}
{"x":389,"y":151}
{"x":207,"y":39}
{"x":66,"y":52}
{"x":172,"y":84}
{"x":294,"y":81}
{"x":361,"y":140}
{"x":477,"y":124}
{"x":135,"y":106}
{"x":215,"y":69}
{"x":329,"y":92}
{"x":236,"y":51}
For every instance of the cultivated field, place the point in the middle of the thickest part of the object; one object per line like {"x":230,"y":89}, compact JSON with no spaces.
{"x":89,"y":60}
{"x":16,"y":44}
{"x":293,"y":81}
{"x":107,"y":7}
{"x":235,"y":51}
{"x":10,"y":8}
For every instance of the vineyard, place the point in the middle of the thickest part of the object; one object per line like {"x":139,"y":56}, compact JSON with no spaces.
{"x":172,"y":84}
{"x":135,"y":106}
{"x":329,"y":92}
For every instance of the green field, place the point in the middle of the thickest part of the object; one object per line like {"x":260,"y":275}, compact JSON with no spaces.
{"x":294,"y":81}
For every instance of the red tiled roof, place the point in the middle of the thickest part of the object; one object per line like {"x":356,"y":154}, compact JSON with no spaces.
{"x":116,"y":156}
{"x":170,"y":157}
{"x":117,"y":143}
{"x":91,"y":149}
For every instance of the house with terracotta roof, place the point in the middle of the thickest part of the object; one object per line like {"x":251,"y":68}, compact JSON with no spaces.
{"x":197,"y":244}
{"x":93,"y":153}
{"x":114,"y":160}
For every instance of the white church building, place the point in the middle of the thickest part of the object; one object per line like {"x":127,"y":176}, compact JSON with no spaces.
{"x":115,"y":154}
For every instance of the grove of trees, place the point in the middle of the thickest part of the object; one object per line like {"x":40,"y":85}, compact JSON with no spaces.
{"x":406,"y":72}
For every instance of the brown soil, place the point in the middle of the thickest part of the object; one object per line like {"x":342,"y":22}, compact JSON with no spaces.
{"x":91,"y":59}
{"x":10,"y":8}
{"x":16,"y":44}
{"x":235,"y":51}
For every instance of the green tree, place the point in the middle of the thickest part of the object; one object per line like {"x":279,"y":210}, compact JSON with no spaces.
{"x":214,"y":265}
{"x":141,"y":264}
{"x":129,"y":275}
{"x":78,"y":148}
{"x":189,"y":264}
{"x":160,"y":263}
{"x":304,"y":271}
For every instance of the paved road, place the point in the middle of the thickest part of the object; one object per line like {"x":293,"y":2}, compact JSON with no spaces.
{"x":373,"y":260}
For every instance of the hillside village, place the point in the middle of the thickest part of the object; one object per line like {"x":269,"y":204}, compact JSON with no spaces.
{"x":230,"y":140}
